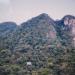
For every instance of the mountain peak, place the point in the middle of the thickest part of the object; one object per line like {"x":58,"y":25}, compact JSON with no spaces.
{"x":7,"y":26}
{"x":69,"y":20}
{"x":43,"y":15}
{"x":40,"y":18}
{"x":69,"y":17}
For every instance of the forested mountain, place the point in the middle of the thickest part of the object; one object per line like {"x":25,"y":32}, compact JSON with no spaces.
{"x":6,"y":27}
{"x":40,"y":46}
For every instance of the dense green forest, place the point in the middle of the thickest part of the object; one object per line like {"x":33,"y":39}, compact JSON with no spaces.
{"x":40,"y":46}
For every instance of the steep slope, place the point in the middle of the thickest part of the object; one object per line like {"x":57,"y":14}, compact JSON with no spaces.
{"x":39,"y":46}
{"x":37,"y":32}
{"x":66,"y":30}
{"x":36,"y":40}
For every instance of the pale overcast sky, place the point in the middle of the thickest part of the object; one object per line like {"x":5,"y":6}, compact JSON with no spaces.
{"x":22,"y":10}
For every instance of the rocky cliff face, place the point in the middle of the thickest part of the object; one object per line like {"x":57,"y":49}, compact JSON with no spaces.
{"x":66,"y":29}
{"x":70,"y":22}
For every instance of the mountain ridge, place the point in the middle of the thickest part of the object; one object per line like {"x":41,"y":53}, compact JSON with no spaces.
{"x":40,"y":46}
{"x":42,"y":23}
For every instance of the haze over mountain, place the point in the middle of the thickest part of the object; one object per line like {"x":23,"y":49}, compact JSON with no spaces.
{"x":44,"y":42}
{"x":22,"y":10}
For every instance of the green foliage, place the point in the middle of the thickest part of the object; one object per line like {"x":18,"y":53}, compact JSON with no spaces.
{"x":43,"y":42}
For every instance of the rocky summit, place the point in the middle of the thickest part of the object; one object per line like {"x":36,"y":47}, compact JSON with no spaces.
{"x":40,"y":46}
